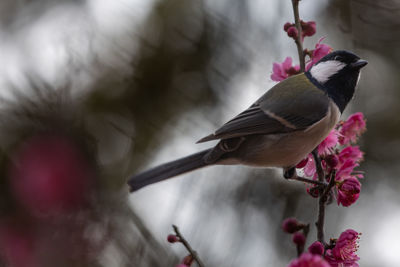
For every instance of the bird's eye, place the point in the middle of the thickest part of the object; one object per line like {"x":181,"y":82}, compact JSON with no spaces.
{"x":338,"y":58}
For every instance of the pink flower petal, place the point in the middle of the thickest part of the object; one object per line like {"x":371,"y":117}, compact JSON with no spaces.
{"x":329,"y":142}
{"x":352,"y":128}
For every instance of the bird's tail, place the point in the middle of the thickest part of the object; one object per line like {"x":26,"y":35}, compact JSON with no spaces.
{"x":168,"y":170}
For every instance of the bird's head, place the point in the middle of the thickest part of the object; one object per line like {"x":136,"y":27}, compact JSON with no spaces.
{"x":337,"y":74}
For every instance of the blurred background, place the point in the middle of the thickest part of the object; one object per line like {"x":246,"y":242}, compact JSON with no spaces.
{"x":93,"y":91}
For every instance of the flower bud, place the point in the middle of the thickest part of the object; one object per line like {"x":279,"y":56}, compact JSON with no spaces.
{"x":291,"y":225}
{"x":316,"y":248}
{"x":172,"y":238}
{"x":292,"y":32}
{"x":287,"y":26}
{"x":299,"y":239}
{"x":308,"y":28}
{"x":332,"y":160}
{"x":292,"y":71}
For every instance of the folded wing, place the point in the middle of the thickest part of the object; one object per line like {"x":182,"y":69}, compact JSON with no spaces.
{"x":292,"y":105}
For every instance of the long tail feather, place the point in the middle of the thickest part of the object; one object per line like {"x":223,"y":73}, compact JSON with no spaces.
{"x":168,"y":170}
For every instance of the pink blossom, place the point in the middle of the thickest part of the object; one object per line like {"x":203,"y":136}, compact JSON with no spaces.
{"x":17,"y":245}
{"x":50,"y":175}
{"x":329,"y":142}
{"x":309,"y":260}
{"x":351,"y":153}
{"x":348,"y":191}
{"x":281,"y":71}
{"x":345,"y":170}
{"x":309,"y":169}
{"x":319,"y":52}
{"x":344,"y":252}
{"x":352,"y":128}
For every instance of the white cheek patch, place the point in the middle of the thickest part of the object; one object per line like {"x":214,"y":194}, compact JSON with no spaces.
{"x":322,"y":71}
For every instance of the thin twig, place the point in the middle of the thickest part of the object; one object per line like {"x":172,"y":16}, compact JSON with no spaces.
{"x":299,"y":42}
{"x":306,"y":180}
{"x":187,"y":246}
{"x":318,"y":166}
{"x":300,"y":248}
{"x":158,"y":251}
{"x":321,"y":208}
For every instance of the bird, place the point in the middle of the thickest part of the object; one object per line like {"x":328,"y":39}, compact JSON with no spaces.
{"x":279,"y":129}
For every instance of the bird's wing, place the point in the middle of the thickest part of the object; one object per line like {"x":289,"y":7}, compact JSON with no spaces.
{"x":291,"y":105}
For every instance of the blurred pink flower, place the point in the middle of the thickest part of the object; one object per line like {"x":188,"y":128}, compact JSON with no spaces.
{"x":344,"y":252}
{"x":291,"y":225}
{"x":50,"y":175}
{"x":352,"y":128}
{"x":281,"y":71}
{"x":299,"y":239}
{"x":16,"y":245}
{"x":309,"y":260}
{"x":316,"y":248}
{"x":329,"y":142}
{"x":348,"y":191}
{"x":319,"y":52}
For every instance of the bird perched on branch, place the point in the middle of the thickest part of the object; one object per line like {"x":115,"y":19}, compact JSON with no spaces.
{"x":281,"y":128}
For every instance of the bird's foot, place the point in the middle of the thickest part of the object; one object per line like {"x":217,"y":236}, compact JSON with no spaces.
{"x":289,"y":173}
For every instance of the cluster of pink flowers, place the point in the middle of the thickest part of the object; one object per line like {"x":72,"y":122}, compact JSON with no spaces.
{"x":339,"y":154}
{"x":281,"y":71}
{"x":50,"y":179}
{"x":343,"y":253}
{"x":339,"y":158}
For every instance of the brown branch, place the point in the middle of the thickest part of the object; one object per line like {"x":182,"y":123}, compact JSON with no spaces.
{"x":299,"y":42}
{"x":321,"y":208}
{"x":308,"y":181}
{"x":187,"y":246}
{"x":318,"y":165}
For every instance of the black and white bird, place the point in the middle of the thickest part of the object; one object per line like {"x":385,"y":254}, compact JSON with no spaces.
{"x":281,"y":127}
